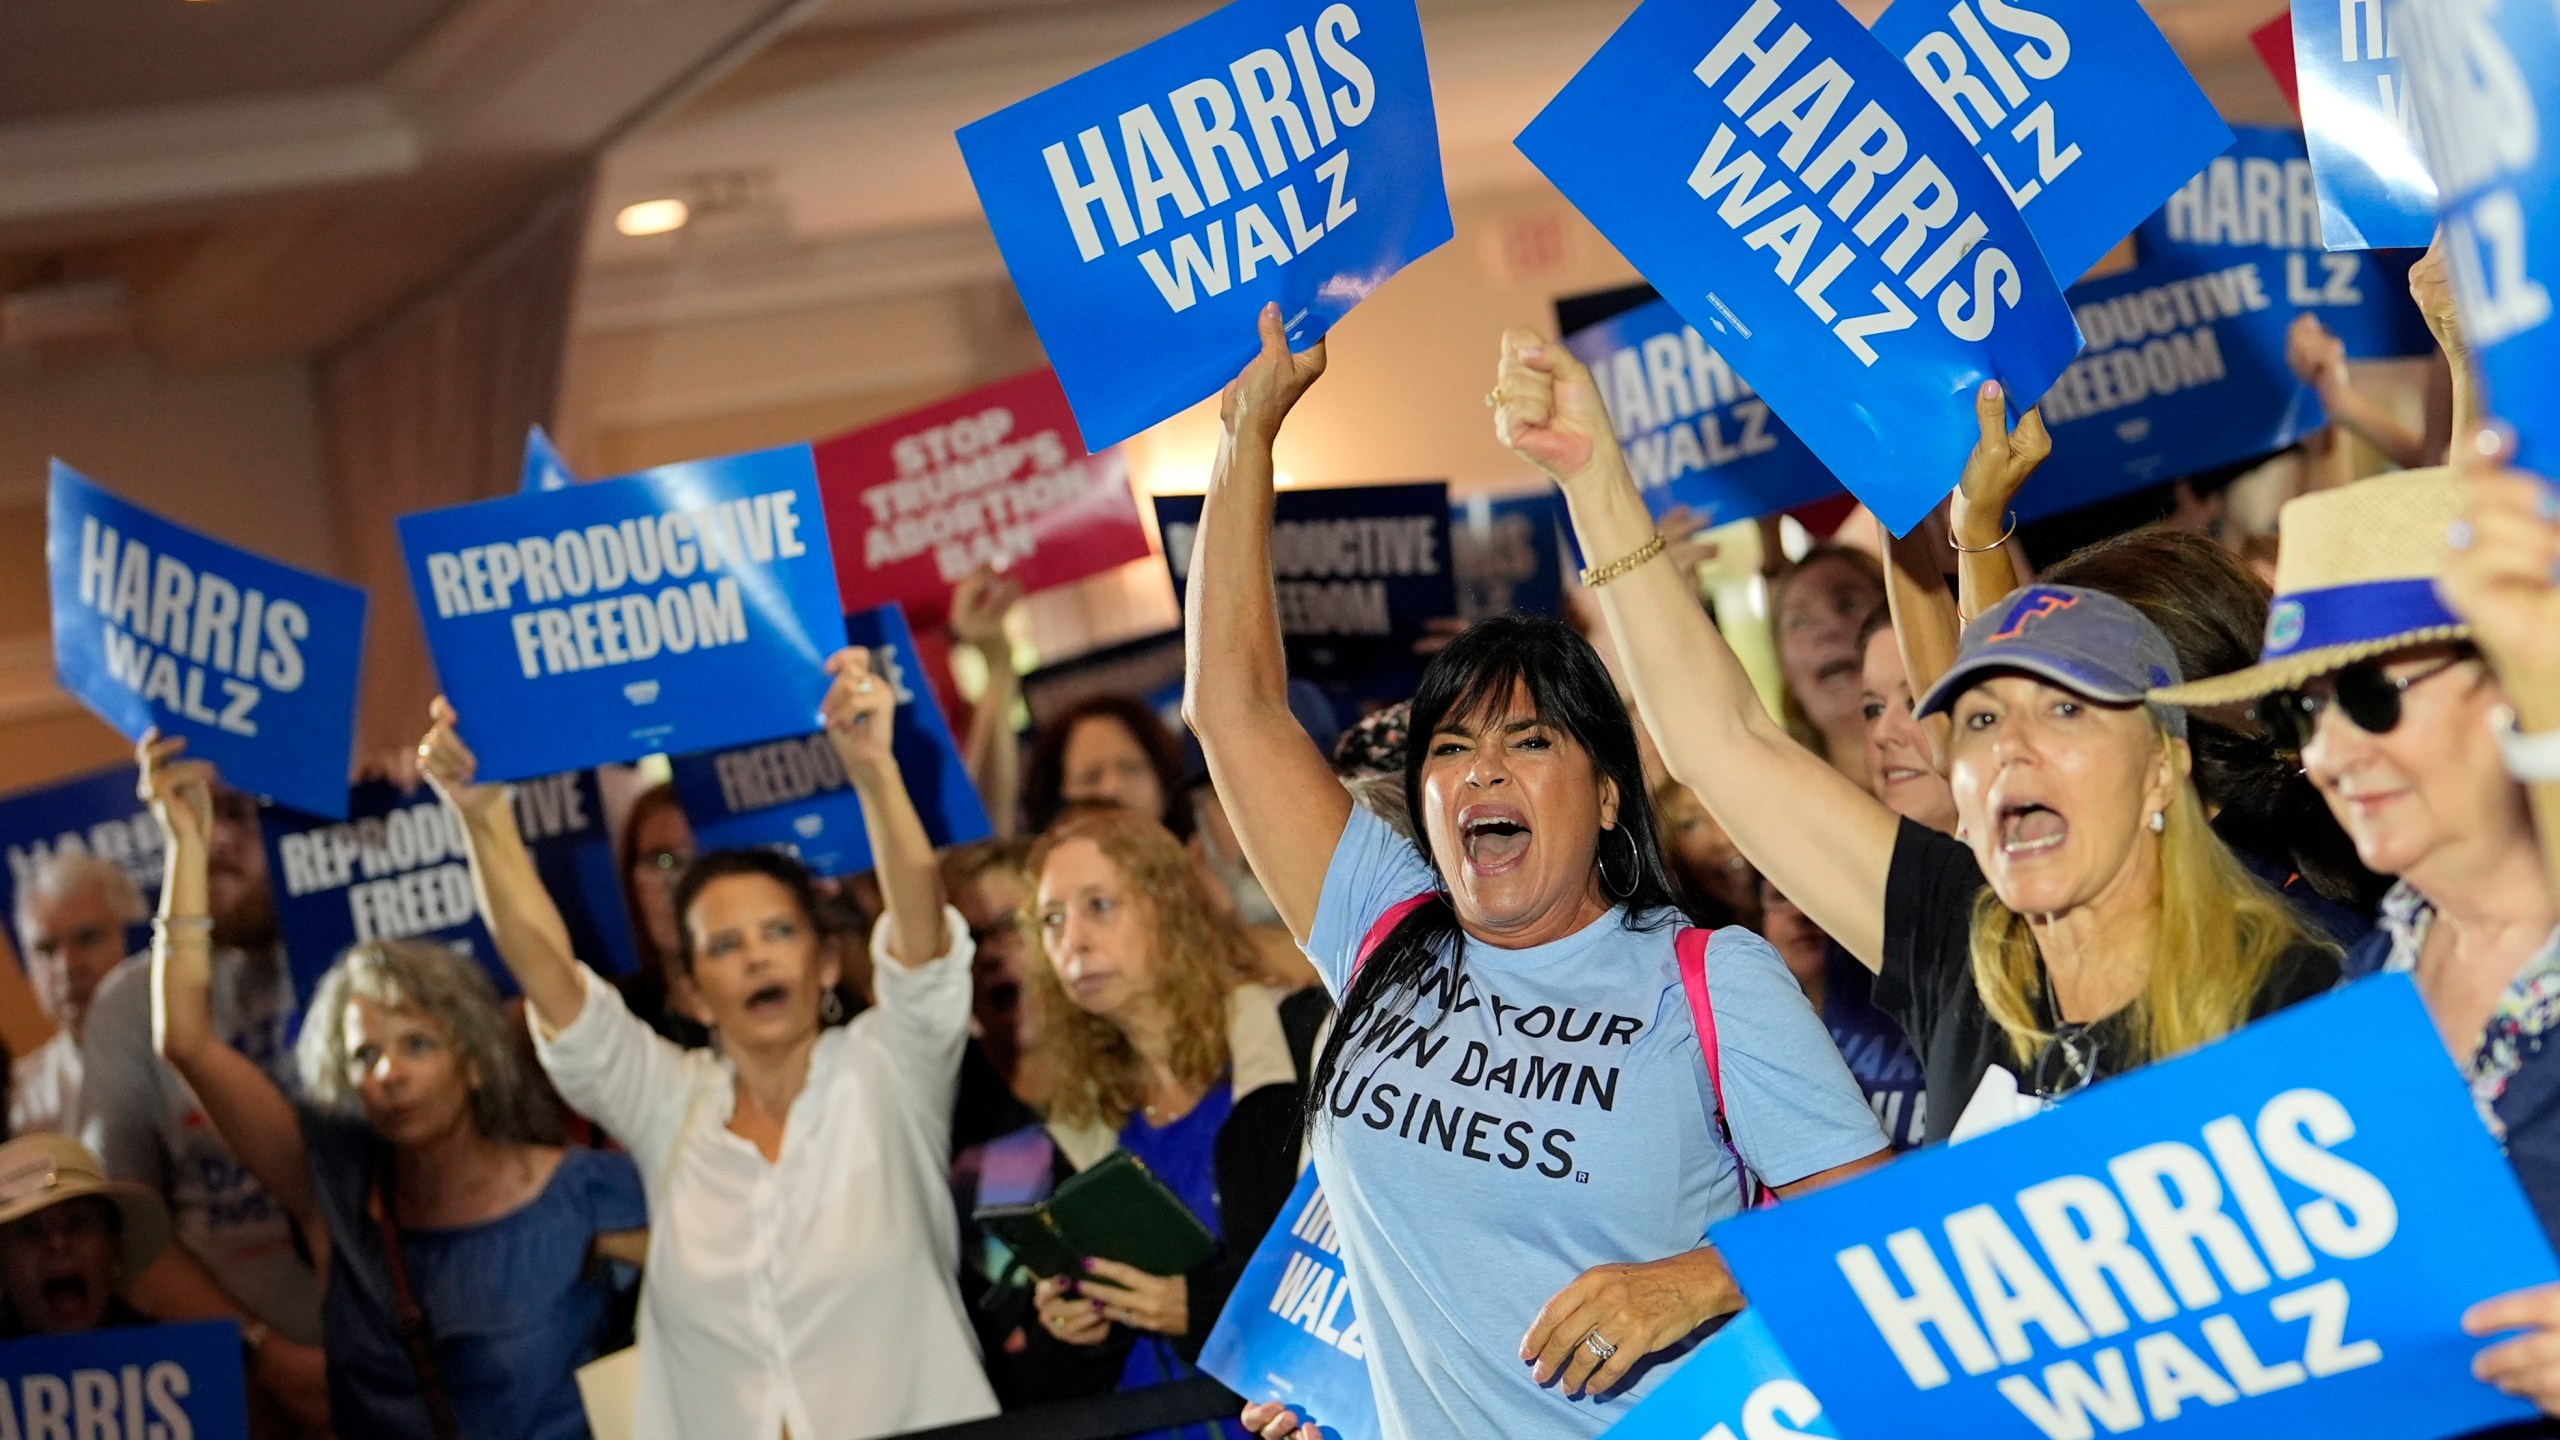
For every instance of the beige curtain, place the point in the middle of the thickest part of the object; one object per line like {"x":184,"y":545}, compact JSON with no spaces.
{"x":428,"y":408}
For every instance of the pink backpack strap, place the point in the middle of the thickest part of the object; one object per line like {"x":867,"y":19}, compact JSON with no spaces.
{"x":1693,"y":944}
{"x":1379,"y":931}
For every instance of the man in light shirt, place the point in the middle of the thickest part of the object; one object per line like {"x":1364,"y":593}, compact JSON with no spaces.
{"x":72,"y":920}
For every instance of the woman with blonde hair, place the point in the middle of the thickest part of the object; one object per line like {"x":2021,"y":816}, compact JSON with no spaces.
{"x":1154,"y":1041}
{"x":2084,"y":920}
{"x":464,"y":1250}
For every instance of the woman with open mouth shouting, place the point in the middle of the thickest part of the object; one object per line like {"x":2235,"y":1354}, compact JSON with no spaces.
{"x":2082,"y":922}
{"x":802,"y":1248}
{"x":1543,"y":1087}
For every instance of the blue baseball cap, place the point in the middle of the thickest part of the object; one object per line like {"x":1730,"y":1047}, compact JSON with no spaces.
{"x":2086,"y":641}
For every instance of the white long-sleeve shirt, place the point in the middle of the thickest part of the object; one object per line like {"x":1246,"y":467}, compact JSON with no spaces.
{"x":816,"y":1291}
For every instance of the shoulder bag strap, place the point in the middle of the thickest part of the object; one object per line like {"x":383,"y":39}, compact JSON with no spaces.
{"x":1378,"y":932}
{"x":1693,"y":945}
{"x":412,"y":1320}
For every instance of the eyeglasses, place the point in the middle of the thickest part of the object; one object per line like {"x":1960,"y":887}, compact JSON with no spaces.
{"x":2368,"y":695}
{"x":2068,"y":1064}
{"x":661,"y":864}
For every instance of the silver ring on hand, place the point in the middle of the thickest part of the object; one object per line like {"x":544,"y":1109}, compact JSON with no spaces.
{"x":1598,"y":1347}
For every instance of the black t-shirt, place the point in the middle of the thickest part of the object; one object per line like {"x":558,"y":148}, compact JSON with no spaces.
{"x":1927,"y":980}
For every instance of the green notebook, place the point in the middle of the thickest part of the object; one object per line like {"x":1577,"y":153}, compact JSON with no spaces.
{"x":1116,"y":1210}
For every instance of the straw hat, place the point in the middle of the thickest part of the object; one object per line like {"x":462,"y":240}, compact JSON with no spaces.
{"x":2355,"y":578}
{"x":42,"y":1170}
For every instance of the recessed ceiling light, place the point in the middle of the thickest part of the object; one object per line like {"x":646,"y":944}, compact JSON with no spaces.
{"x":652,"y":217}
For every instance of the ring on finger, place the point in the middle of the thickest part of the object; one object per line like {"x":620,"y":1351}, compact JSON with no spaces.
{"x":1493,"y":398}
{"x":1600,"y":1349}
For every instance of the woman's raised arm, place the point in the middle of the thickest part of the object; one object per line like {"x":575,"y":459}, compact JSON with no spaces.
{"x":1281,"y":795}
{"x":532,"y":938}
{"x":991,"y":750}
{"x":1816,"y":835}
{"x":859,"y":709}
{"x":247,"y":1108}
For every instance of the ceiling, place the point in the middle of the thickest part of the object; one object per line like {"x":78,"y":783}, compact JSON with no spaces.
{"x":225,"y":180}
{"x":229,"y":180}
{"x":69,"y":57}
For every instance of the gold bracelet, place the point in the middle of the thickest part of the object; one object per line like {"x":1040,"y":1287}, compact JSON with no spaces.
{"x":1599,"y":575}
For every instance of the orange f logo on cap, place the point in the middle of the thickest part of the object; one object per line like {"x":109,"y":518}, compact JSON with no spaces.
{"x":2034,"y":606}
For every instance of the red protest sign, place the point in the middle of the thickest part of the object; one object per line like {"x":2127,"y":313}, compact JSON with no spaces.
{"x":2274,"y":42}
{"x":994,"y":477}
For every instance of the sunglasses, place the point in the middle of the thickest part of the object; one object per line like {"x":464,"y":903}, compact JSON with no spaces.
{"x":2068,"y":1064}
{"x":2368,"y":695}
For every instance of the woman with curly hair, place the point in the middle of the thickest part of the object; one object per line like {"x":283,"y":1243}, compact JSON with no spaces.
{"x":1154,"y":1042}
{"x":464,"y":1251}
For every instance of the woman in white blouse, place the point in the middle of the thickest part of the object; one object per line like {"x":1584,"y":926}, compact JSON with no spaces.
{"x":802,"y":1245}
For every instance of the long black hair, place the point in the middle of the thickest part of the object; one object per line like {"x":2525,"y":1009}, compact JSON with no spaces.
{"x":1569,"y":689}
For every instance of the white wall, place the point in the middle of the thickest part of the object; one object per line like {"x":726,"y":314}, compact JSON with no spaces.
{"x":1403,"y":399}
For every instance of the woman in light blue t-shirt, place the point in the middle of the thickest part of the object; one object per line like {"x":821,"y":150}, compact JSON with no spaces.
{"x":1513,"y":1116}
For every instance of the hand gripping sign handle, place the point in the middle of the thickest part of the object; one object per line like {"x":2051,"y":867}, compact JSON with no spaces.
{"x":1693,"y":943}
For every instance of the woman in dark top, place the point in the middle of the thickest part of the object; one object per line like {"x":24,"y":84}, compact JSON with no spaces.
{"x":466,"y":1261}
{"x":1154,"y":1041}
{"x":1109,"y":749}
{"x":655,"y":849}
{"x":2088,"y":923}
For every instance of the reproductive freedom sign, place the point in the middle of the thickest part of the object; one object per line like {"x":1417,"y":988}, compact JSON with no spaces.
{"x":682,"y":608}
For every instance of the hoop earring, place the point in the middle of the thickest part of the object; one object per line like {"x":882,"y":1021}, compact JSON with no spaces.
{"x":830,"y":1007}
{"x":1635,"y":865}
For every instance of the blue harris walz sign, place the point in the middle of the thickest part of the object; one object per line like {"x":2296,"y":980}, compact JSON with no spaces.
{"x":681,"y":608}
{"x":793,"y":794}
{"x":1276,"y":150}
{"x":252,"y":662}
{"x":1290,"y":1332}
{"x":1790,"y":188}
{"x":2487,"y":80}
{"x":134,"y":1382}
{"x":2184,"y":367}
{"x":1695,"y":433}
{"x":2275,"y":1235}
{"x":2366,"y":152}
{"x":2081,"y":109}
